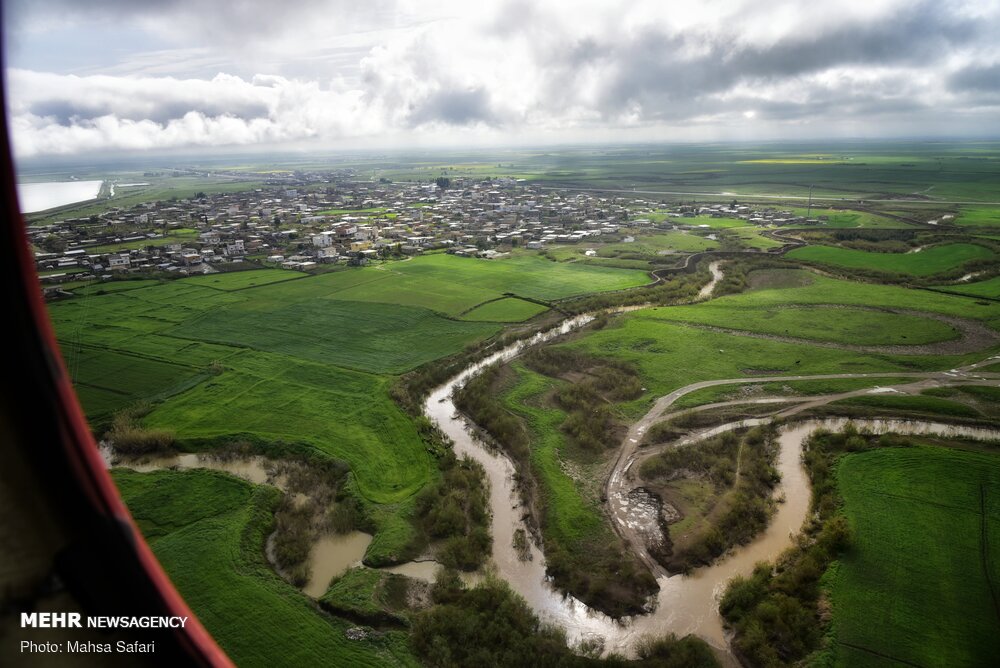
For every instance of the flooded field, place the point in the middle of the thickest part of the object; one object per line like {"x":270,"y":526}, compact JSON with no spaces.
{"x":35,"y":197}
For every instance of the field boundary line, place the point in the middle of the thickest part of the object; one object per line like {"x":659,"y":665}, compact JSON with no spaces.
{"x":878,"y":654}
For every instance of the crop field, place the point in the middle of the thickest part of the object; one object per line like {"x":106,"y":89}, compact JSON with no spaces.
{"x":930,"y":261}
{"x":374,"y":337}
{"x":917,"y":584}
{"x":822,"y":323}
{"x":525,"y":275}
{"x":505,"y":310}
{"x":238,"y":280}
{"x":208,"y":531}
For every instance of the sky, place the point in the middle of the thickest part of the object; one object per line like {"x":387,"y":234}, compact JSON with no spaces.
{"x":123,"y":76}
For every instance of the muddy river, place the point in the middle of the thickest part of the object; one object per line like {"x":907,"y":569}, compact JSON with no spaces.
{"x":685,"y":604}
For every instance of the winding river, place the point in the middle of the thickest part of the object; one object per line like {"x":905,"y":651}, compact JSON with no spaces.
{"x":685,"y":604}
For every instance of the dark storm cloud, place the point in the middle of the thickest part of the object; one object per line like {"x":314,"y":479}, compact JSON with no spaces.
{"x":454,"y":107}
{"x":653,"y":69}
{"x":65,"y":112}
{"x":217,"y":20}
{"x":976,"y":78}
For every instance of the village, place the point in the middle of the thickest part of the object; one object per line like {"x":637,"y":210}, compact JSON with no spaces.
{"x":307,"y":224}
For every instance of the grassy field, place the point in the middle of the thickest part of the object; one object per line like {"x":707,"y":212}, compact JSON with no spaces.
{"x":979,"y":216}
{"x":790,"y":286}
{"x":343,"y":413}
{"x":374,"y":337}
{"x":505,"y":310}
{"x":238,"y":280}
{"x":821,"y":323}
{"x":733,"y":392}
{"x":916,"y":584}
{"x":930,"y":261}
{"x":987,"y":288}
{"x":889,"y":404}
{"x":208,"y":531}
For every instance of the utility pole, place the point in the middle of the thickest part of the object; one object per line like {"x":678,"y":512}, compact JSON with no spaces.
{"x":810,"y":208}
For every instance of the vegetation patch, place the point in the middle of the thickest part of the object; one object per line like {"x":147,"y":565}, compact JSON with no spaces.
{"x":721,"y":491}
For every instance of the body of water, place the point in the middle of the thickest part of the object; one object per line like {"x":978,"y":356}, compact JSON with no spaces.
{"x":41,"y":196}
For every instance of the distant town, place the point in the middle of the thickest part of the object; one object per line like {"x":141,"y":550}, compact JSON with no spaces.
{"x":321,"y":219}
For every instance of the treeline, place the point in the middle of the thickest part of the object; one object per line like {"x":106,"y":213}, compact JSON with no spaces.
{"x":590,"y":423}
{"x":741,"y":470}
{"x":455,"y":510}
{"x":492,"y":626}
{"x":775,"y":612}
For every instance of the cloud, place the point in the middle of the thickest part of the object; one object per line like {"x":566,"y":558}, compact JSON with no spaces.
{"x":536,"y":71}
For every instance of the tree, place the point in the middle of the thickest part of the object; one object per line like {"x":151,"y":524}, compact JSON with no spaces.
{"x":53,"y":244}
{"x":443,"y":182}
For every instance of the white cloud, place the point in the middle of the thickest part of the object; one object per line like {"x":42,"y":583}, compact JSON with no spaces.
{"x":532,"y":71}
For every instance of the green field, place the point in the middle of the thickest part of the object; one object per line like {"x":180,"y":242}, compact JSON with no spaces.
{"x":800,"y":287}
{"x":933,"y":260}
{"x":378,"y":338}
{"x":505,"y":310}
{"x":987,"y":288}
{"x":915,"y":587}
{"x":979,"y":216}
{"x":238,"y":280}
{"x":208,"y":529}
{"x":718,"y":393}
{"x":821,"y":323}
{"x":901,"y":404}
{"x":343,"y":413}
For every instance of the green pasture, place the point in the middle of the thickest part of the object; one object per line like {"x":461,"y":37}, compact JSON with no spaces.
{"x":208,"y":530}
{"x":669,"y":355}
{"x":853,"y":326}
{"x":796,"y":287}
{"x":345,"y":414}
{"x":895,"y":404}
{"x":927,"y":262}
{"x":915,"y":586}
{"x":988,"y":288}
{"x":979,"y":216}
{"x":505,"y":310}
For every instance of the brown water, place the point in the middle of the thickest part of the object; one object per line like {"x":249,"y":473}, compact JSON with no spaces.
{"x":333,"y":555}
{"x":253,"y":469}
{"x":685,"y":604}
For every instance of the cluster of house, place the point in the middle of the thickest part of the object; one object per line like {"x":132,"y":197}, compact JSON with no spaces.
{"x":344,"y":220}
